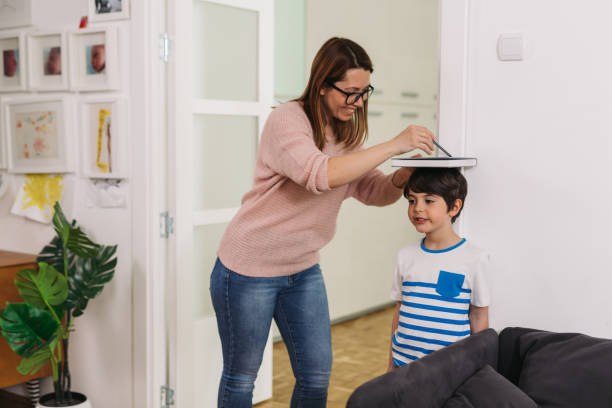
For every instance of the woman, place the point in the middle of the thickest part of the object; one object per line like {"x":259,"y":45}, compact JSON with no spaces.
{"x":310,"y":159}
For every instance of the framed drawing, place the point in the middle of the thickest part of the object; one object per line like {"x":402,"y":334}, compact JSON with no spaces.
{"x":47,"y":61}
{"x":12,"y":77}
{"x":94,"y":59}
{"x":103,"y":137}
{"x":15,"y":13}
{"x":104,"y":10}
{"x":36,"y":194}
{"x":38,"y":132}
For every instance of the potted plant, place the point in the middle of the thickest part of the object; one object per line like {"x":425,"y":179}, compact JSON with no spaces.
{"x":72,"y":269}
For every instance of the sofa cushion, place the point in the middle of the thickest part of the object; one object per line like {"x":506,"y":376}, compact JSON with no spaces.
{"x":509,"y":362}
{"x":566,"y":370}
{"x":486,"y":389}
{"x":429,"y":381}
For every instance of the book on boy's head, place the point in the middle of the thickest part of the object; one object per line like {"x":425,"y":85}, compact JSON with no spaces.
{"x":433,"y":161}
{"x":448,"y":161}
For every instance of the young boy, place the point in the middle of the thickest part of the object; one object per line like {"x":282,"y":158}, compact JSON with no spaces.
{"x":439,"y":284}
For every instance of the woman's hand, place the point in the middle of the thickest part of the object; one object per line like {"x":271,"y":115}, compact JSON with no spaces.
{"x":401,"y":176}
{"x":348,"y":167}
{"x":414,"y":137}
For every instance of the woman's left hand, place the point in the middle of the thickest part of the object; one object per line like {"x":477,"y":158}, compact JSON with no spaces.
{"x":401,"y":176}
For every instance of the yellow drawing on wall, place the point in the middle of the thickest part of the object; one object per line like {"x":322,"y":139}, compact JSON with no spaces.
{"x":103,"y":153}
{"x":37,"y":196}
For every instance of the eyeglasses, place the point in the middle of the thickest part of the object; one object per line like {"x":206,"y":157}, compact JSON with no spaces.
{"x":353,"y":97}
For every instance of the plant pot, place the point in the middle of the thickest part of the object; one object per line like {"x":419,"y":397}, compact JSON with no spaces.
{"x":78,"y":400}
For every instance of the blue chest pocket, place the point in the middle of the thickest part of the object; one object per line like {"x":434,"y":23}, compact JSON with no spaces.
{"x":449,"y":284}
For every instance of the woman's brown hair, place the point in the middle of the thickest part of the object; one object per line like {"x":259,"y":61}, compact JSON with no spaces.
{"x":334,"y":58}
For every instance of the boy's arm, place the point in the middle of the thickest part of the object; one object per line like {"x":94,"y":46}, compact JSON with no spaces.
{"x":479,"y":318}
{"x":393,"y":328}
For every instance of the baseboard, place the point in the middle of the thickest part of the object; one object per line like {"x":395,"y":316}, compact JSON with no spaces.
{"x":351,"y":316}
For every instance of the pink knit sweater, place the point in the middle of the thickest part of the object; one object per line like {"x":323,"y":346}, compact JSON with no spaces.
{"x":290,"y":213}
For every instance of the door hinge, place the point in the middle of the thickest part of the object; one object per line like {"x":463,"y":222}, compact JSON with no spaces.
{"x":166,"y":396}
{"x":165,"y":44}
{"x":166,"y":224}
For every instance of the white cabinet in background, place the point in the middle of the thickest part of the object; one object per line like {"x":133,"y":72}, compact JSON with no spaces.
{"x":400,"y":36}
{"x":387,"y":120}
{"x":363,"y":21}
{"x":413,"y":35}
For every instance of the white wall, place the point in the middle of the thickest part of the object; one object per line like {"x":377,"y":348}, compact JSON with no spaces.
{"x":101,"y":349}
{"x":540,"y":197}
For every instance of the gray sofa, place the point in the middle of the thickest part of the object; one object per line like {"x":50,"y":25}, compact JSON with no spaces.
{"x":519,"y":368}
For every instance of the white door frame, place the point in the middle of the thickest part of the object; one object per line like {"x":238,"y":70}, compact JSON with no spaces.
{"x":148,"y":179}
{"x":453,"y":51}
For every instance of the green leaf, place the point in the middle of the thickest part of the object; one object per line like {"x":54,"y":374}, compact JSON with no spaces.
{"x":53,"y":254}
{"x":80,"y":244}
{"x":30,"y":365}
{"x":60,"y":223}
{"x":26,"y":328}
{"x":42,"y":288}
{"x":72,"y":236}
{"x":89,"y":278}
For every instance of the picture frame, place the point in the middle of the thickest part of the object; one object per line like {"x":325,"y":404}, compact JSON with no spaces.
{"x":13,"y":63}
{"x":15,"y":13}
{"x":38,"y":132}
{"x":48,"y":61}
{"x":106,"y":10}
{"x":94,"y":59}
{"x":103,"y":137}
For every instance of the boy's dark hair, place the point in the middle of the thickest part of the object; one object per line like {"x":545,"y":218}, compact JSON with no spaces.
{"x":447,"y":183}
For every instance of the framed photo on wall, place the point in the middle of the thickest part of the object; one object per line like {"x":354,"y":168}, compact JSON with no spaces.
{"x":48,"y":61}
{"x":105,"y":10}
{"x":38,"y":132}
{"x":94,"y":59}
{"x":103,"y":137}
{"x":15,"y":13}
{"x":13,"y":56}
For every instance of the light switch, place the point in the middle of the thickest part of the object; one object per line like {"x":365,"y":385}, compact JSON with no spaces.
{"x":510,"y":47}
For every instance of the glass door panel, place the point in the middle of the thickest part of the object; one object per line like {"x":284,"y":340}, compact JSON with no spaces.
{"x":224,"y":150}
{"x":224,"y":52}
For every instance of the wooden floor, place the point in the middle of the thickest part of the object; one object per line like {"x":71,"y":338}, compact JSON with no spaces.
{"x":360,"y":353}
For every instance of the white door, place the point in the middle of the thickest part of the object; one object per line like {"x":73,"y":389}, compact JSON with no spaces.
{"x":220,"y":91}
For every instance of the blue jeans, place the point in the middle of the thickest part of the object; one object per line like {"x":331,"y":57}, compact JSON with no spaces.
{"x":245,"y":307}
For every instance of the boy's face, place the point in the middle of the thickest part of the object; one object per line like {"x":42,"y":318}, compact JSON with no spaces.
{"x":429,"y":212}
{"x":98,"y":57}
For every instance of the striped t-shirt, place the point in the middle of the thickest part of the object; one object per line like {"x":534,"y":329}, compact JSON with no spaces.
{"x":436,"y":288}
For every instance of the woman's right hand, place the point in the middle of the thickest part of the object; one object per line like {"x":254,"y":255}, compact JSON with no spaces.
{"x":414,"y":137}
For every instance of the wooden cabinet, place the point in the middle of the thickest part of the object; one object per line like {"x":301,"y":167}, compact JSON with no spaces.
{"x":10,"y":263}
